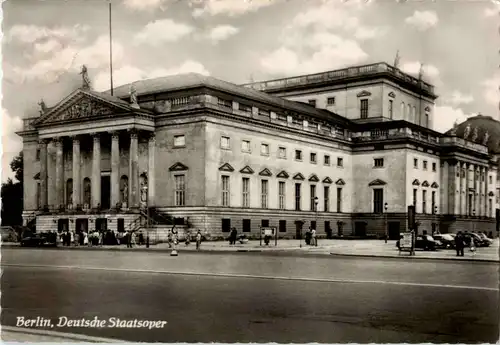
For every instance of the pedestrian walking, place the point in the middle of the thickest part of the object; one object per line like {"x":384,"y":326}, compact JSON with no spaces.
{"x":472,"y":246}
{"x":198,"y":240}
{"x":459,"y":244}
{"x":314,"y":238}
{"x":86,"y":239}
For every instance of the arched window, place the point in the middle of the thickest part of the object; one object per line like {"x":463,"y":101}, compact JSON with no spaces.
{"x":417,"y":118}
{"x":124,"y":190}
{"x":403,"y":111}
{"x":69,"y":191}
{"x":87,"y":192}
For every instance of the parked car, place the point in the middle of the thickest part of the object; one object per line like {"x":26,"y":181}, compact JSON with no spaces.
{"x":426,"y":242}
{"x":447,"y":240}
{"x":482,"y":240}
{"x":31,"y":239}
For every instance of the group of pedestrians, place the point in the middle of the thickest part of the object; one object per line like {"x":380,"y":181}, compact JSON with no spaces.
{"x":311,"y":237}
{"x":173,"y":240}
{"x":462,"y":241}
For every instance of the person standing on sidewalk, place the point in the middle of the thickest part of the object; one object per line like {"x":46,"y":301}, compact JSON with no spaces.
{"x":472,"y":246}
{"x":198,"y":240}
{"x":314,"y":238}
{"x":459,"y":244}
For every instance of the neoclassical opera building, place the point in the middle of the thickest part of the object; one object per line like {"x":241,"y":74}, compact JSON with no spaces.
{"x":344,"y":151}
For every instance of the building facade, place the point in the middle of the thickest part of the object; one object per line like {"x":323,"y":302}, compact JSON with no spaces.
{"x":345,"y":152}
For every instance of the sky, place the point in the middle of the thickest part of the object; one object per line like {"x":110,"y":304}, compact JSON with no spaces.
{"x":45,"y":43}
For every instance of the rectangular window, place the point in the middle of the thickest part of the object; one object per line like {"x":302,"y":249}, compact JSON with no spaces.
{"x":246,"y":225}
{"x":433,"y":202}
{"x":391,"y":108}
{"x":264,"y":149}
{"x":282,"y":152}
{"x":330,"y":101}
{"x":327,"y":160}
{"x":313,"y":158}
{"x":426,"y":121}
{"x":364,"y":108}
{"x":339,"y":199}
{"x":312,"y":102}
{"x":179,"y":141}
{"x":298,"y":155}
{"x":281,"y":195}
{"x":434,"y":167}
{"x":37,"y":154}
{"x":415,"y":199}
{"x":224,"y":142}
{"x":245,"y":145}
{"x":313,"y":224}
{"x":340,"y":162}
{"x":415,"y":163}
{"x":264,"y":193}
{"x":313,"y":197}
{"x":264,"y":112}
{"x":245,"y":108}
{"x":424,"y":204}
{"x":378,"y":162}
{"x":246,"y":192}
{"x":326,"y":194}
{"x":264,"y":223}
{"x":225,"y":102}
{"x":282,"y":226}
{"x":297,"y":196}
{"x":378,"y":200}
{"x":490,"y":208}
{"x":424,"y":165}
{"x":180,"y":190}
{"x":491,"y":179}
{"x":225,"y":191}
{"x":226,"y":225}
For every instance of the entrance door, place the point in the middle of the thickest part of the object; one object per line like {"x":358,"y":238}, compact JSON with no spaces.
{"x":82,"y":225}
{"x":360,"y":229}
{"x":394,"y":230}
{"x":121,"y":225}
{"x":62,"y":224}
{"x":105,"y":192}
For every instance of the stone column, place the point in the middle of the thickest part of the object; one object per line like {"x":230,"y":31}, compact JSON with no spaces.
{"x":96,"y":171}
{"x":466,"y":194}
{"x":115,"y":169}
{"x":480,"y":192}
{"x":486,"y":203}
{"x":77,"y":183}
{"x":59,"y":172}
{"x":460,"y":188}
{"x":44,"y":200}
{"x":151,"y":170}
{"x":134,"y":171}
{"x":475,"y":185}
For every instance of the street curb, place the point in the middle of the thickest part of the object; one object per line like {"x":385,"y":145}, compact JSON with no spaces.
{"x":47,"y":333}
{"x":412,"y":257}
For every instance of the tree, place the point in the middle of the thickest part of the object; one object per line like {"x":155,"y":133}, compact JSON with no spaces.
{"x":12,"y":195}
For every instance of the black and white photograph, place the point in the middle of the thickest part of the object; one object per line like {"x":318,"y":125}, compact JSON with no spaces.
{"x":250,"y":171}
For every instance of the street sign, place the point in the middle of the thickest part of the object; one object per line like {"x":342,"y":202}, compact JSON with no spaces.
{"x":268,"y":232}
{"x":407,"y":242}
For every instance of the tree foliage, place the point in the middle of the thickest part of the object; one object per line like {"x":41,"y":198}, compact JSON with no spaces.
{"x":12,"y":194}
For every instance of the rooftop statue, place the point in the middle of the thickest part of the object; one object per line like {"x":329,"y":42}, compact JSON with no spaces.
{"x":454,"y":129}
{"x":485,"y":138}
{"x":43,"y":107}
{"x":474,"y":134}
{"x":85,"y":78}
{"x":133,"y":97}
{"x":467,"y":131}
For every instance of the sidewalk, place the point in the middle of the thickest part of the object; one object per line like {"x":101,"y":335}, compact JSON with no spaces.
{"x":365,"y":248}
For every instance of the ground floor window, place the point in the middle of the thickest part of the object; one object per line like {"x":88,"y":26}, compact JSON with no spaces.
{"x":313,"y":224}
{"x":101,"y":224}
{"x":246,"y":225}
{"x":62,"y":225}
{"x":82,"y":225}
{"x":282,"y":226}
{"x":226,"y":224}
{"x":264,"y":223}
{"x":121,"y":225}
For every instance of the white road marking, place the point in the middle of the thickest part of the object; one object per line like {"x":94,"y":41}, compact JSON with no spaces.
{"x":234,"y":275}
{"x":55,"y":334}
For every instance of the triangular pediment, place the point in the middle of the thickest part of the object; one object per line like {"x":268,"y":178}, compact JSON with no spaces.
{"x":246,"y":170}
{"x":298,"y":176}
{"x":313,"y":178}
{"x":266,"y":172}
{"x":427,"y":109}
{"x":37,"y":176}
{"x":491,"y":193}
{"x":327,"y":180}
{"x":425,"y":184}
{"x":282,"y":174}
{"x":434,"y":185}
{"x":340,"y":182}
{"x":416,"y":182}
{"x":82,"y":105}
{"x":178,"y":167}
{"x":392,"y":94}
{"x":377,"y":182}
{"x":226,"y":167}
{"x":364,"y":93}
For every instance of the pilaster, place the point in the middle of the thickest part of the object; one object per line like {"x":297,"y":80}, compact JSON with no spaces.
{"x":44,"y":201}
{"x":151,"y":170}
{"x":134,"y":170}
{"x":77,"y":183}
{"x":115,"y":168}
{"x":59,"y":172}
{"x":96,"y":171}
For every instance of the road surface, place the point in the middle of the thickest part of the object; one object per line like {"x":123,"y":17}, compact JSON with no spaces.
{"x":245,"y":297}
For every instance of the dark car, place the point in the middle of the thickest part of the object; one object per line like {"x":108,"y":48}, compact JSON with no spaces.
{"x":426,"y":242}
{"x":447,"y":240}
{"x":480,"y":240}
{"x":31,"y":239}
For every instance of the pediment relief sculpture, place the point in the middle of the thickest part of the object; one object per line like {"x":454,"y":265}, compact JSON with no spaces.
{"x":84,"y":107}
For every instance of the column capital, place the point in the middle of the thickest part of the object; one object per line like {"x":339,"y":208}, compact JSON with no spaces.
{"x":43,"y":142}
{"x":115,"y":135}
{"x":152,"y":138}
{"x":75,"y":139}
{"x":96,"y":137}
{"x":133,"y":134}
{"x":58,"y":141}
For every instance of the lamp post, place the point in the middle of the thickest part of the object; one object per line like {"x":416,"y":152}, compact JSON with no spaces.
{"x":436,"y":224}
{"x":473,"y":214}
{"x":385,"y":219}
{"x":316,"y":200}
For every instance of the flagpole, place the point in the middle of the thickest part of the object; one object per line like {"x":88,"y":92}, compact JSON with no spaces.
{"x":110,"y":51}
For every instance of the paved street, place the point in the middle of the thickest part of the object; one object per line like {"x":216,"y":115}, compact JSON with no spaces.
{"x":302,"y":299}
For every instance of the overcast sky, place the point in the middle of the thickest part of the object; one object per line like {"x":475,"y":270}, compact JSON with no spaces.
{"x":46,"y":42}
